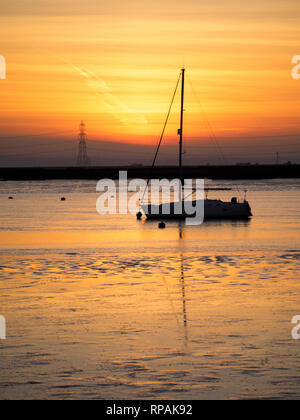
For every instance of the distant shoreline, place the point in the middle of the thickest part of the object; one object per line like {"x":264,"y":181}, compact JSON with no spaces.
{"x":96,"y":173}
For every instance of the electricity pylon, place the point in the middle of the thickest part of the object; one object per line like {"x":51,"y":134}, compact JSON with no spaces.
{"x":82,"y":158}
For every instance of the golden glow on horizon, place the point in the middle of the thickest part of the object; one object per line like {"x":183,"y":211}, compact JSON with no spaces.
{"x":118,"y":71}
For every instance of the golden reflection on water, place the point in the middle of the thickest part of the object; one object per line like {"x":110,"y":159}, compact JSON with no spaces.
{"x":147,"y":233}
{"x":173,"y":324}
{"x":108,"y":306}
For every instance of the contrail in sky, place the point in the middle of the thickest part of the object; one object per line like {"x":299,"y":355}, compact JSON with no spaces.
{"x":114,"y":104}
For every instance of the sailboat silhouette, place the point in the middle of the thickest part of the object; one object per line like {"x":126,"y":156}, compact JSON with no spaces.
{"x":213,"y":209}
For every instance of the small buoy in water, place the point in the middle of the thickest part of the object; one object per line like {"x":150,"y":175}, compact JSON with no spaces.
{"x":139,"y":215}
{"x":62,"y":199}
{"x":10,"y":198}
{"x":161,"y":225}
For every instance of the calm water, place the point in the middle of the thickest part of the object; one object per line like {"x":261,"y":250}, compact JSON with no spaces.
{"x":109,"y":307}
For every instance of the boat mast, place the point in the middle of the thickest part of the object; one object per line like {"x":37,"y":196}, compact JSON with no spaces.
{"x":180,"y":131}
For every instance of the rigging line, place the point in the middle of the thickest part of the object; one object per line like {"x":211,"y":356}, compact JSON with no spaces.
{"x":140,"y":153}
{"x":208,"y":126}
{"x":206,"y":121}
{"x":211,"y":132}
{"x":161,"y":137}
{"x":155,"y":153}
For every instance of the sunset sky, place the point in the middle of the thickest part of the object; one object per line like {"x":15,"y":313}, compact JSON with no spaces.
{"x":115,"y":65}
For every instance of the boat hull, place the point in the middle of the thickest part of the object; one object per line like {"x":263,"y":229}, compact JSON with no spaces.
{"x":213,"y":209}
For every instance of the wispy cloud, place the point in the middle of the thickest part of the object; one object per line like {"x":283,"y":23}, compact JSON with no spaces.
{"x":118,"y":108}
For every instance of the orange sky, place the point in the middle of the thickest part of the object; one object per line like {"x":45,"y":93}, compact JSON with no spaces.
{"x":115,"y":66}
